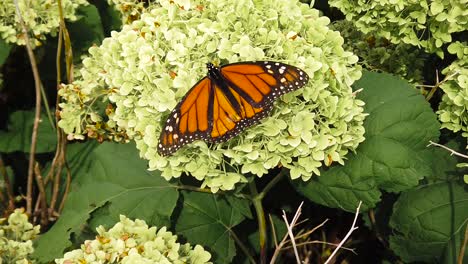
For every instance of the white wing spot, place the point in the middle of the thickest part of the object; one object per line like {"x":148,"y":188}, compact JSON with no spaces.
{"x":270,"y":71}
{"x":177,"y":121}
{"x":283,"y":80}
{"x":281,"y":70}
{"x":175,"y":136}
{"x":277,"y":63}
{"x":175,"y":115}
{"x":268,"y":66}
{"x":170,"y":128}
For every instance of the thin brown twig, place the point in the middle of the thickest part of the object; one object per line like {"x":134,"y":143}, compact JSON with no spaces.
{"x":463,"y":247}
{"x":9,"y":188}
{"x":290,"y":227}
{"x":42,"y":194}
{"x":67,"y":189}
{"x":284,"y":241}
{"x":37,"y":116}
{"x":319,"y":242}
{"x":300,"y":235}
{"x":285,"y":237}
{"x":452,"y":152}
{"x":437,"y":84}
{"x":351,"y":230}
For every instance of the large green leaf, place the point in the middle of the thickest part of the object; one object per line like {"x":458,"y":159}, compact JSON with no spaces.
{"x":116,"y":182}
{"x":19,"y":131}
{"x":430,"y":223}
{"x":392,"y":158}
{"x":86,"y":31}
{"x":207,"y":219}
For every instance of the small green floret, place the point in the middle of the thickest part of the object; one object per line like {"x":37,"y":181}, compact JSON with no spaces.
{"x":16,"y":237}
{"x":133,"y":242}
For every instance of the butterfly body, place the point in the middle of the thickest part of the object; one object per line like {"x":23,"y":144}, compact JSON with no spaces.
{"x":228,"y":100}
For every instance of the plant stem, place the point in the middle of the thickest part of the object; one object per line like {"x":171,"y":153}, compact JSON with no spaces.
{"x":273,"y":182}
{"x":463,"y":247}
{"x":37,"y":116}
{"x":257,"y":202}
{"x":242,"y":247}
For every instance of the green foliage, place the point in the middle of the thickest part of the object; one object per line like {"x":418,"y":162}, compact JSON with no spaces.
{"x":128,"y":83}
{"x":16,"y":238}
{"x":134,"y":242}
{"x":378,"y":54}
{"x":427,"y":24}
{"x":41,"y":17}
{"x":398,"y":128}
{"x":86,"y":31}
{"x":4,"y":52}
{"x":19,"y":130}
{"x":115,"y":183}
{"x":129,"y":75}
{"x":208,"y":219}
{"x":430,"y":223}
{"x":453,"y":111}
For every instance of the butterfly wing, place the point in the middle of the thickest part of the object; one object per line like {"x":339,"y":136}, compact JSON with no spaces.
{"x":190,"y":120}
{"x":260,"y":83}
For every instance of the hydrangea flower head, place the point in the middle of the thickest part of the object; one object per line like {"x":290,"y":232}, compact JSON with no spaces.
{"x":133,"y":242}
{"x":427,"y":24}
{"x":138,"y":75}
{"x":40,"y":17}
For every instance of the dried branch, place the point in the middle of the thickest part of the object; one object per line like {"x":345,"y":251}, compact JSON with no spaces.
{"x":437,"y":84}
{"x":290,"y":226}
{"x":351,"y":230}
{"x":452,"y":152}
{"x":42,"y":195}
{"x":320,"y":242}
{"x":37,"y":116}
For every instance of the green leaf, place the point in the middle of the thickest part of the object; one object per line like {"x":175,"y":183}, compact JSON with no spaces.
{"x":398,"y":128}
{"x":4,"y":51}
{"x":207,"y":219}
{"x":86,"y":31}
{"x":116,"y":182}
{"x":19,"y":131}
{"x":430,"y":223}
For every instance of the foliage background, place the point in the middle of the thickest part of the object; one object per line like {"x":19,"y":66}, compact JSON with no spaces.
{"x":414,"y":199}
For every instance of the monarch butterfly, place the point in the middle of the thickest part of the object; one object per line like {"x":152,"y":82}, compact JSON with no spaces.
{"x":229,"y":99}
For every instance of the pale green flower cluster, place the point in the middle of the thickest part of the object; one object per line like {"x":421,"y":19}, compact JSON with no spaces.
{"x":453,"y":111}
{"x":133,"y":242}
{"x":427,"y":24}
{"x":378,"y":54}
{"x":129,"y":9}
{"x":16,"y":238}
{"x":41,"y":17}
{"x":138,"y":75}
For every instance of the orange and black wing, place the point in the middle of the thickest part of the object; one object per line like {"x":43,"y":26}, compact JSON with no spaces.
{"x":189,"y":121}
{"x":216,"y":111}
{"x":260,"y":83}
